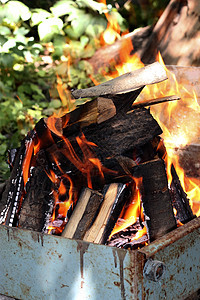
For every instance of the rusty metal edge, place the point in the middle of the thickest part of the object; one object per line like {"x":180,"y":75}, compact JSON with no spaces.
{"x":170,"y":238}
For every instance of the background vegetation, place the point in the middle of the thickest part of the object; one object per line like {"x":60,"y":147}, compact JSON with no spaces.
{"x":44,"y":46}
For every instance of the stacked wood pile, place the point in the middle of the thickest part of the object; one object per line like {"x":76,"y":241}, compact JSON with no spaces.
{"x":90,"y":157}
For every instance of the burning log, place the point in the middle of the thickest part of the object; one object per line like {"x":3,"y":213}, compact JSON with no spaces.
{"x":106,"y":55}
{"x":131,"y":81}
{"x":98,"y":146}
{"x":36,"y":202}
{"x":155,"y":101}
{"x":180,"y":199}
{"x":83,"y":214}
{"x":114,"y":199}
{"x":14,"y":191}
{"x":156,"y":198}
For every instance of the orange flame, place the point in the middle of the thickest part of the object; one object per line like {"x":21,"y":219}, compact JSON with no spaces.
{"x":27,"y":160}
{"x":178,"y":119}
{"x":132,"y":213}
{"x":113,"y":29}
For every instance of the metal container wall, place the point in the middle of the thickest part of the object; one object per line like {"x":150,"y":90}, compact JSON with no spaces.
{"x":37,"y":266}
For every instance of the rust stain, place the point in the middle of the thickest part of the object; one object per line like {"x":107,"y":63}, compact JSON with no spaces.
{"x":117,"y":283}
{"x":64,"y":285}
{"x":42,"y":239}
{"x":121,"y":255}
{"x":82,"y":247}
{"x":170,"y":238}
{"x":8,"y":234}
{"x":37,"y":237}
{"x":115,"y":257}
{"x":25,"y":289}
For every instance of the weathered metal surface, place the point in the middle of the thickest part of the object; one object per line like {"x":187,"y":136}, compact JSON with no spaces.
{"x":36,"y":266}
{"x":180,"y":252}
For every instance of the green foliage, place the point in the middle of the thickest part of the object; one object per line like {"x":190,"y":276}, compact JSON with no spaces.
{"x":39,"y":40}
{"x":68,"y":31}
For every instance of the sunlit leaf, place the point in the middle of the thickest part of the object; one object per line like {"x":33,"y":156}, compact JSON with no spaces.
{"x":48,"y":28}
{"x":63,"y":7}
{"x":94,"y":5}
{"x":8,"y":45}
{"x":39,"y":15}
{"x":21,"y":31}
{"x":18,"y":67}
{"x":4,"y":30}
{"x":14,"y":10}
{"x":80,"y":24}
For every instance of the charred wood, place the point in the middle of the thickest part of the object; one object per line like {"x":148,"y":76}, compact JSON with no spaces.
{"x":155,"y":101}
{"x":156,"y":198}
{"x":179,"y":199}
{"x":36,"y":202}
{"x":14,"y":190}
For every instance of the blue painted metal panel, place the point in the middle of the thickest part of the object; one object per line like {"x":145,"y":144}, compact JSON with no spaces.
{"x":36,"y":266}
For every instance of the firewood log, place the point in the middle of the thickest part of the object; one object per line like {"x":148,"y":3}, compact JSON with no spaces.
{"x":155,"y":101}
{"x":179,"y":199}
{"x":83,"y":214}
{"x":156,"y":198}
{"x":114,"y":199}
{"x":131,"y":81}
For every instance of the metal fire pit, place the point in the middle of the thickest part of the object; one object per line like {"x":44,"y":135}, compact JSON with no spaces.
{"x":41,"y":266}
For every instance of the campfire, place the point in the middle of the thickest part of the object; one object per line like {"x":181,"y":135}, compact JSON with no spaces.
{"x":103,"y":172}
{"x":108,"y":171}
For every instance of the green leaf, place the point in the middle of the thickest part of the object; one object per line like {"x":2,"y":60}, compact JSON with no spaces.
{"x":39,"y":15}
{"x":56,"y":103}
{"x":63,"y":7}
{"x":18,"y":67}
{"x":8,"y":45}
{"x":48,"y":28}
{"x":24,"y":88}
{"x":80,"y":24}
{"x":21,"y":31}
{"x":3,"y":40}
{"x":3,"y":148}
{"x":4,"y":30}
{"x":14,"y":10}
{"x":6,"y":60}
{"x":100,"y":7}
{"x":84,"y":40}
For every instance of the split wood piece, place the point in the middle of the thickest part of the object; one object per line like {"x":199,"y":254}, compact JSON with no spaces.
{"x":83,"y":214}
{"x":114,"y":199}
{"x":156,"y":198}
{"x":36,"y":202}
{"x":131,"y":81}
{"x":179,"y":199}
{"x":95,"y":111}
{"x":155,"y":101}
